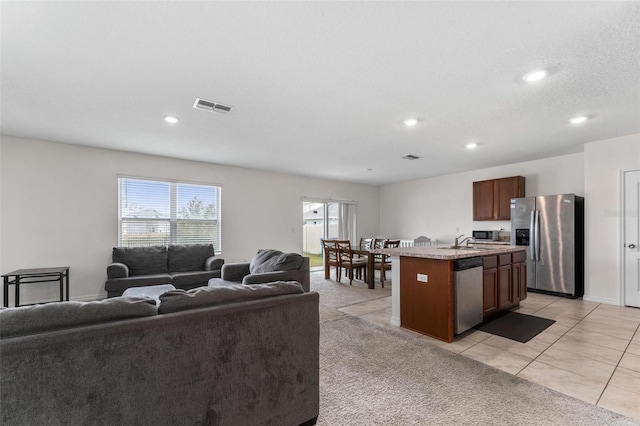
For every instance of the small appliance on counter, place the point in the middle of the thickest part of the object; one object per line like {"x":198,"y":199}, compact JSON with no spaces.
{"x":486,"y":235}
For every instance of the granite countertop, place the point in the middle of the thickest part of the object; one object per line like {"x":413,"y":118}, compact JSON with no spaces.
{"x":445,"y":252}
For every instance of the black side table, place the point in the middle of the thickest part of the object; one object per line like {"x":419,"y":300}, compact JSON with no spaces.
{"x":36,"y":275}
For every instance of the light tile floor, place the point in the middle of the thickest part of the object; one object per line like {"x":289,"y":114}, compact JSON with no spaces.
{"x":592,"y":352}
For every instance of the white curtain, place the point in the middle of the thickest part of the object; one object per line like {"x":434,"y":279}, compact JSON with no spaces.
{"x":347,"y":222}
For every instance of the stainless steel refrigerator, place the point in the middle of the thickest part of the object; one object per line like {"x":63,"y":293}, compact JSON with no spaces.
{"x":552,"y":229}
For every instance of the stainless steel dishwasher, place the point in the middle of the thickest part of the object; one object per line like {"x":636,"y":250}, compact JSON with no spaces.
{"x":467,"y":278}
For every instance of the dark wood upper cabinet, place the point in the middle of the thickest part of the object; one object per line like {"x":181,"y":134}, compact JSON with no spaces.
{"x":492,"y":198}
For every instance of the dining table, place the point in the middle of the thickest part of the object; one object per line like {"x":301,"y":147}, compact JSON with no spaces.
{"x":370,"y":271}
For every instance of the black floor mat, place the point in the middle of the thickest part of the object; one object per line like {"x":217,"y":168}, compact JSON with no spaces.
{"x":515,"y":326}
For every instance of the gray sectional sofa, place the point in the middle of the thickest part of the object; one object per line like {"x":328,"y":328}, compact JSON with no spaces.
{"x":231,"y":355}
{"x":185,"y":266}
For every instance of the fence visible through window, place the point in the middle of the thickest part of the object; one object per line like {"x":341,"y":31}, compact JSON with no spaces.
{"x":153,"y":212}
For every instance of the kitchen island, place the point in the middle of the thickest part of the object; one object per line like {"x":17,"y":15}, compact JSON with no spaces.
{"x":423,"y":291}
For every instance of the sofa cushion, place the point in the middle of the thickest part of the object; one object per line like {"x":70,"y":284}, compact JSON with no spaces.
{"x":180,"y":300}
{"x":121,"y":284}
{"x":192,"y":279}
{"x":142,"y":260}
{"x":189,"y":257}
{"x":268,"y":260}
{"x":57,"y":315}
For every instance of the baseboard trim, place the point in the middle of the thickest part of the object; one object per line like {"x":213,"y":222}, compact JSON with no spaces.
{"x":601,"y":300}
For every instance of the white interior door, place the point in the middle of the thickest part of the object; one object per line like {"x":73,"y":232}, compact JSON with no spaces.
{"x":631,"y":227}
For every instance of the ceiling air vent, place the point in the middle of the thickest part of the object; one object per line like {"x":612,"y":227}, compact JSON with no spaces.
{"x":211,"y":106}
{"x":410,"y":157}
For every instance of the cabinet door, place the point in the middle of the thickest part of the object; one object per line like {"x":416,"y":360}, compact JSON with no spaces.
{"x":505,"y":190}
{"x":523,"y":280}
{"x":516,"y":276}
{"x":483,"y":200}
{"x":504,"y":286}
{"x":490,"y":291}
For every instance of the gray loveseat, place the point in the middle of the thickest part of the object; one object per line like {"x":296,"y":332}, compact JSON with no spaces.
{"x":185,"y":266}
{"x":235,"y":355}
{"x":266,"y":266}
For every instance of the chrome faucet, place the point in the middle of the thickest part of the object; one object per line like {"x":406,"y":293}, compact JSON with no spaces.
{"x":457,"y":243}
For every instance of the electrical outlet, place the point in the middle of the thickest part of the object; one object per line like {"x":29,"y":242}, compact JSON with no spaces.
{"x":424,"y":278}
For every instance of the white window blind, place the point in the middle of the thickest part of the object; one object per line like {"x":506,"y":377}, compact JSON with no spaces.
{"x":153,"y":212}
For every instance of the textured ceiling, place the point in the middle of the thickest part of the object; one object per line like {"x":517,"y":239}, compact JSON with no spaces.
{"x":321,"y":88}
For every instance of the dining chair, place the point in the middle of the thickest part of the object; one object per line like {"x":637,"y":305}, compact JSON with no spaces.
{"x":382,"y":262}
{"x":377,"y":243}
{"x":349,"y":262}
{"x":331,"y":255}
{"x":422,"y":241}
{"x":365,"y":243}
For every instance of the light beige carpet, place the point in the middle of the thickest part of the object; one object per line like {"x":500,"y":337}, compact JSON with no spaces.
{"x":372,"y":375}
{"x":335,"y":295}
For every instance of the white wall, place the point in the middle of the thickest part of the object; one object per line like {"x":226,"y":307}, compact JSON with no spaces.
{"x":1,"y":268}
{"x":603,"y":162}
{"x":442,"y":207}
{"x":59,"y":207}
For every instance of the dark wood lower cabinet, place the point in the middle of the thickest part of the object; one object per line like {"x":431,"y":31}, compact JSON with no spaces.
{"x":490,"y":291}
{"x":515,"y":282}
{"x":427,"y":307}
{"x":490,"y":285}
{"x":523,"y":281}
{"x":519,"y":276}
{"x":504,"y":287}
{"x":505,"y":282}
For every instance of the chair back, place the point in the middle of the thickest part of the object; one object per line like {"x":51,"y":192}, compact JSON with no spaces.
{"x":391,"y":244}
{"x":422,"y":241}
{"x":344,"y":251}
{"x":365,"y":243}
{"x":330,"y":250}
{"x":378,"y":243}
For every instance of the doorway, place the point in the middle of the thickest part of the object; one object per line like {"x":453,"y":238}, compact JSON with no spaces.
{"x":325,"y":220}
{"x":631,"y":237}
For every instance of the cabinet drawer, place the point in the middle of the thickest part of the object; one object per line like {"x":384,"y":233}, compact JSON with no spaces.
{"x":519,"y":257}
{"x":504,"y":259}
{"x":490,"y":262}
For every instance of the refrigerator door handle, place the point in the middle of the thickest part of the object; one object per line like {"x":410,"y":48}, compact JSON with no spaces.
{"x":536,"y":235}
{"x":532,"y":233}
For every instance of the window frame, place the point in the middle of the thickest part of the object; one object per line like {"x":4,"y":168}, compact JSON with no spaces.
{"x":174,"y":219}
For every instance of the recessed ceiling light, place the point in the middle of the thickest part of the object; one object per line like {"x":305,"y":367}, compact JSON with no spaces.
{"x":578,"y":120}
{"x":471,"y":145}
{"x":535,"y":75}
{"x":171,"y":119}
{"x":410,"y":122}
{"x":410,"y":157}
{"x":368,"y":170}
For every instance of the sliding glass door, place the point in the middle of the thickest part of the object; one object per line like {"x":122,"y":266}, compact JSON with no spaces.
{"x":325,"y":220}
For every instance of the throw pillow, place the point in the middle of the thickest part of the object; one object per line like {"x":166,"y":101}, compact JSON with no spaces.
{"x":268,"y":260}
